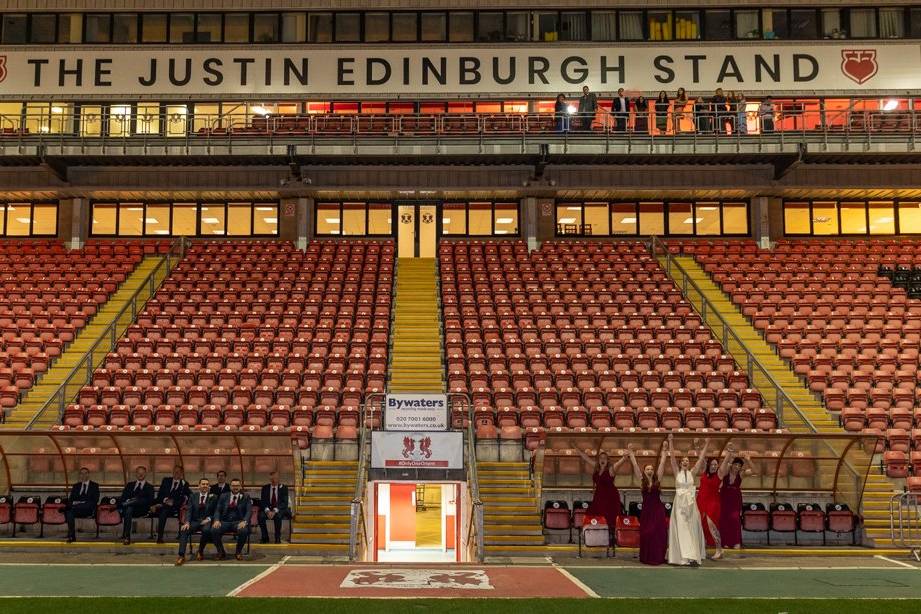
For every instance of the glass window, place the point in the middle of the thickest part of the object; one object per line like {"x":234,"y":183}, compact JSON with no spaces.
{"x":910,"y":218}
{"x":348,"y":27}
{"x":735,"y":218}
{"x":38,"y":117}
{"x":548,"y":29}
{"x":236,"y":28}
{"x":479,"y":220}
{"x":70,"y":28}
{"x":206,"y":117}
{"x":181,"y":28}
{"x":320,"y":27}
{"x":775,"y":24}
{"x":185,"y":219}
{"x":831,"y":24}
{"x":489,"y":27}
{"x":803,"y":24}
{"x":573,"y":26}
{"x":434,"y":27}
{"x":62,"y":118}
{"x":328,"y":219}
{"x":265,"y":219}
{"x":377,"y":27}
{"x":708,"y":218}
{"x":90,"y":120}
{"x":623,"y":219}
{"x":44,"y":219}
{"x":796,"y":218}
{"x":43,"y":25}
{"x":660,"y":25}
{"x":130,"y":219}
{"x":825,"y":218}
{"x":914,"y":22}
{"x":208,"y":28}
{"x":148,"y":118}
{"x":120,"y":120}
{"x":568,"y":218}
{"x":454,"y":219}
{"x":717,"y":25}
{"x":212,"y":219}
{"x":891,"y":22}
{"x":98,"y":27}
{"x":18,"y":219}
{"x":461,"y":27}
{"x":882,"y":217}
{"x":680,"y":219}
{"x":156,"y":220}
{"x":687,"y":25}
{"x":14,"y":29}
{"x":631,"y":25}
{"x":747,"y":24}
{"x":604,"y":25}
{"x":596,"y":219}
{"x":153,"y":27}
{"x":293,"y":27}
{"x":652,"y":219}
{"x":125,"y":28}
{"x":863,"y":22}
{"x":104,"y":219}
{"x":239,"y":219}
{"x":405,"y":27}
{"x":505,"y":219}
{"x":353,"y":219}
{"x":2,"y":219}
{"x":265,"y":27}
{"x":853,"y":218}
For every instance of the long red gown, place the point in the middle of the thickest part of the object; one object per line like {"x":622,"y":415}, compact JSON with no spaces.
{"x":606,"y":498}
{"x":653,"y":526}
{"x":708,"y":502}
{"x":731,"y":511}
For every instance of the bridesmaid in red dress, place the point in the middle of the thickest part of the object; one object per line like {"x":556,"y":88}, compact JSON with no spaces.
{"x":708,"y":502}
{"x":606,"y":497}
{"x":653,"y":517}
{"x":731,"y":502}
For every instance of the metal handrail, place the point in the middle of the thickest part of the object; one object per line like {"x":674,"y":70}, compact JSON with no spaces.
{"x":111,"y":334}
{"x":658,"y":248}
{"x":476,"y":523}
{"x":906,"y":506}
{"x":358,"y":526}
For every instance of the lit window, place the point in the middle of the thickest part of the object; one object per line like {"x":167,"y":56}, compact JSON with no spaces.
{"x":213,"y":219}
{"x":796,"y":218}
{"x":854,"y":218}
{"x":157,"y":220}
{"x":825,"y":218}
{"x":105,"y":217}
{"x":708,"y":218}
{"x":328,"y":219}
{"x":623,"y":219}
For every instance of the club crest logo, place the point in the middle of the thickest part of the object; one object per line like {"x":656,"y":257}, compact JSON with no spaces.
{"x":424,"y":450}
{"x":859,"y":65}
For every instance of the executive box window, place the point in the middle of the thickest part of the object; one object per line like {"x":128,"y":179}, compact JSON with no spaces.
{"x":480,"y":219}
{"x":125,"y":28}
{"x":236,"y":28}
{"x":207,"y":219}
{"x":14,"y":29}
{"x":182,"y":28}
{"x":348,"y":27}
{"x":851,"y":217}
{"x":377,"y":27}
{"x":353,"y":219}
{"x":70,"y":28}
{"x":293,"y":27}
{"x":434,"y":27}
{"x":98,"y":27}
{"x":490,"y":27}
{"x":265,"y":27}
{"x":748,"y":24}
{"x":604,"y":219}
{"x":718,"y":25}
{"x":460,"y":27}
{"x":405,"y":28}
{"x":28,"y":219}
{"x":43,"y":27}
{"x":604,"y":25}
{"x":208,"y":27}
{"x":153,"y":27}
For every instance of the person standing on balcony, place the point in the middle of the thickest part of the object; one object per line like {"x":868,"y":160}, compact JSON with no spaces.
{"x":766,"y":113}
{"x":561,"y":114}
{"x":741,"y":113}
{"x":621,"y":109}
{"x":641,"y":115}
{"x":679,"y":109}
{"x":661,"y":108}
{"x":588,"y":106}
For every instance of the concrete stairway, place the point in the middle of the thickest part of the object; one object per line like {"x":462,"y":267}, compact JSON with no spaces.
{"x":416,"y":343}
{"x":36,"y":397}
{"x":322,"y":515}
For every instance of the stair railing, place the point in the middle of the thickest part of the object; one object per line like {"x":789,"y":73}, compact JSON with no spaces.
{"x":785,"y":408}
{"x":475,"y":526}
{"x":358,"y":528}
{"x":905,"y":522}
{"x":82,"y":373}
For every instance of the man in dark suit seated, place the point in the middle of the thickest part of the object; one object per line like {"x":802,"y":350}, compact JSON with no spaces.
{"x":84,"y":497}
{"x":137,"y":497}
{"x":275,"y":507}
{"x":199,"y":517}
{"x":233,"y":512}
{"x":172,"y":494}
{"x":221,"y":486}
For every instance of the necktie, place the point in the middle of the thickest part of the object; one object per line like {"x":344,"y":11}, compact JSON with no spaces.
{"x":275,"y":496}
{"x":175,"y":484}
{"x":201,"y":500}
{"x":233,"y":501}
{"x":83,"y":489}
{"x":137,"y":486}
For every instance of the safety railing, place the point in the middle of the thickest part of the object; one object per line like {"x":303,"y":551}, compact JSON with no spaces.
{"x":476,"y":550}
{"x":905,"y":522}
{"x":82,"y":373}
{"x":789,"y":414}
{"x":783,"y":124}
{"x":358,"y":527}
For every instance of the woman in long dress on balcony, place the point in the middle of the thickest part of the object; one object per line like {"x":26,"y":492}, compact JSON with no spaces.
{"x":686,"y":545}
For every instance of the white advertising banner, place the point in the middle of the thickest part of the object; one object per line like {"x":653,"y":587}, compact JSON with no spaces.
{"x":415,"y":450}
{"x":312,"y":71}
{"x":416,"y":412}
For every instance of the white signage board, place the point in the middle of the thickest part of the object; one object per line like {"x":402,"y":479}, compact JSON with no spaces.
{"x":416,"y":412}
{"x":320,"y":71}
{"x":417,"y":450}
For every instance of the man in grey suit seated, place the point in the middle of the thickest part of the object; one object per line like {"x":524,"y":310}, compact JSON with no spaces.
{"x":199,"y":516}
{"x":233,"y":514}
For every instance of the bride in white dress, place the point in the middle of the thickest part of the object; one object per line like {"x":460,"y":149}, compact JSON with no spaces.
{"x":686,"y":542}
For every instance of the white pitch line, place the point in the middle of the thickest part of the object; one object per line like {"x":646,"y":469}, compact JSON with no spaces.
{"x":894,"y":562}
{"x":257,"y":577}
{"x":582,"y":585}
